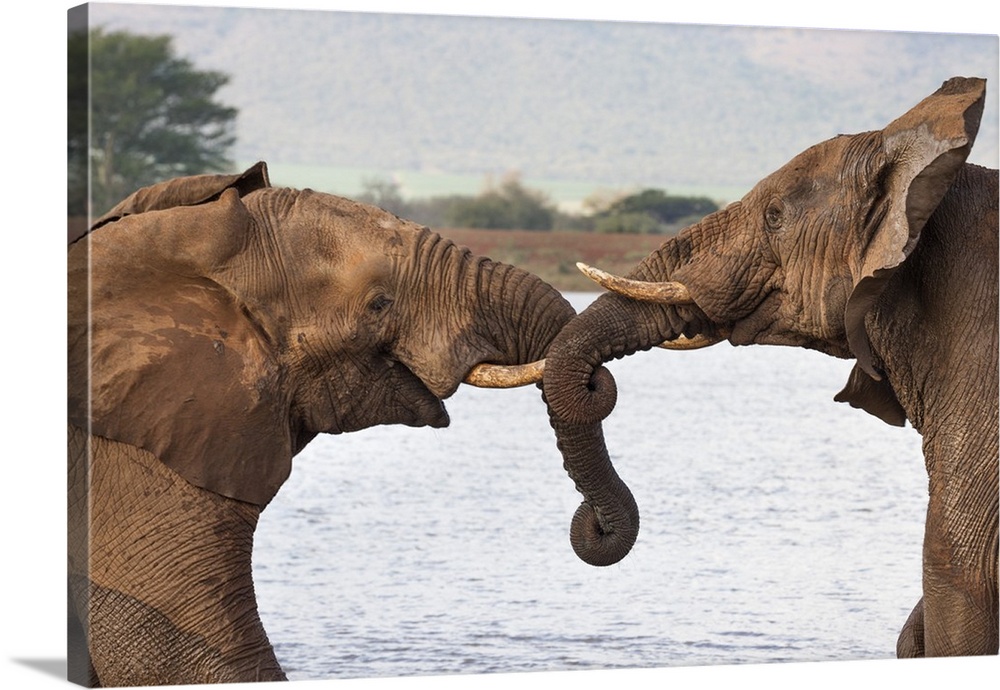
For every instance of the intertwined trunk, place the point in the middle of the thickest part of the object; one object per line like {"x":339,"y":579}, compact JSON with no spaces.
{"x":580,"y":393}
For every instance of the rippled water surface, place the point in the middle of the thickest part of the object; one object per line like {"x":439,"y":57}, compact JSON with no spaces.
{"x":776,"y":525}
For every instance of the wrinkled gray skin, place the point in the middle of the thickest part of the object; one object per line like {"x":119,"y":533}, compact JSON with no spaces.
{"x":229,"y":323}
{"x":882,"y":247}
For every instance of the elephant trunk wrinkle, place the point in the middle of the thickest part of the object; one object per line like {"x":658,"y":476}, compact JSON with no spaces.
{"x":521,"y":314}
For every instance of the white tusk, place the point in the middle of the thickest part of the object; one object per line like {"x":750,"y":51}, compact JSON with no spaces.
{"x":504,"y":376}
{"x":695,"y":343}
{"x":664,"y":293}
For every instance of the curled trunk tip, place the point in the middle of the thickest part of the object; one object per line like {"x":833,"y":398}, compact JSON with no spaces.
{"x":600,"y":542}
{"x":606,"y":524}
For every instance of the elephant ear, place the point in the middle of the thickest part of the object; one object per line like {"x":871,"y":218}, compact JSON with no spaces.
{"x":186,"y":191}
{"x":177,"y":364}
{"x":874,"y":397}
{"x":924,"y":150}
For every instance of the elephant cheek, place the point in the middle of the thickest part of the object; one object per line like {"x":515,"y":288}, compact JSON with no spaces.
{"x":758,"y":325}
{"x":834,"y":306}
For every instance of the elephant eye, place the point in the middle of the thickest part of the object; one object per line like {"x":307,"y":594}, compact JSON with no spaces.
{"x":774,"y":215}
{"x":379,"y":304}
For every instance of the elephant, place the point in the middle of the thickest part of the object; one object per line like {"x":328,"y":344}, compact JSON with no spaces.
{"x":879,"y":247}
{"x":216,"y":325}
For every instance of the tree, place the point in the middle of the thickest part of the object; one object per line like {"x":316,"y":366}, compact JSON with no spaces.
{"x":78,"y":87}
{"x":152,"y":116}
{"x":664,"y":207}
{"x":636,"y":222}
{"x":511,"y":205}
{"x":651,"y":210}
{"x":384,"y":193}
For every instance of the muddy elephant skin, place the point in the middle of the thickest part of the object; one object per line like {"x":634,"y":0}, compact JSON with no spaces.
{"x":216,"y":325}
{"x":879,"y":247}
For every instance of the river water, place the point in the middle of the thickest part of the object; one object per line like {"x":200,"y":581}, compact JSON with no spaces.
{"x":776,"y":525}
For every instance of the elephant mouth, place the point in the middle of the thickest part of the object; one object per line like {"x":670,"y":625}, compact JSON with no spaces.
{"x":756,"y":328}
{"x":427,"y":410}
{"x":764,"y":326}
{"x":428,"y":407}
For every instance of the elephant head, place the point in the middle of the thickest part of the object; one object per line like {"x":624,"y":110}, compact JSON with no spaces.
{"x":231,"y":321}
{"x":216,"y":325}
{"x":879,"y":246}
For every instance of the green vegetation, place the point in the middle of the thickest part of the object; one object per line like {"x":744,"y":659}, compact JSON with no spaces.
{"x":507,"y":205}
{"x":152,"y":116}
{"x":512,"y":206}
{"x":652,"y":211}
{"x":552,"y":256}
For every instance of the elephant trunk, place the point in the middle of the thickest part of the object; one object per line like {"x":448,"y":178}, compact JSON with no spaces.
{"x":605,"y":527}
{"x":494,"y":322}
{"x":579,"y":390}
{"x":580,"y":393}
{"x":524,"y":313}
{"x":606,"y":524}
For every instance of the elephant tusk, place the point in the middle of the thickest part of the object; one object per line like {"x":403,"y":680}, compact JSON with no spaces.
{"x":504,"y":376}
{"x":695,"y":343}
{"x":664,"y":293}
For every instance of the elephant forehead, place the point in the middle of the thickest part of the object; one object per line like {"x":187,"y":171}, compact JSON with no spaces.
{"x":827,"y":166}
{"x":803,"y":172}
{"x":334,"y":226}
{"x":344,"y":264}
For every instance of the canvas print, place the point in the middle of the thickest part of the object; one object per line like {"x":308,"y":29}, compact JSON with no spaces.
{"x":416,"y":345}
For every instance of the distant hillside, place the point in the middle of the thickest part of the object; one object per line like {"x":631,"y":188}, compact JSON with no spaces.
{"x":616,"y":103}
